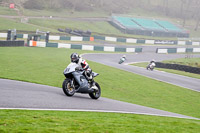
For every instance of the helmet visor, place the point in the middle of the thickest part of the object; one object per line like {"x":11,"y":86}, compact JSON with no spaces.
{"x":74,"y":59}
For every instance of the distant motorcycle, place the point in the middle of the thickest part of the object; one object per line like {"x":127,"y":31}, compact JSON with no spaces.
{"x":122,"y":59}
{"x":76,"y":82}
{"x":151,"y":66}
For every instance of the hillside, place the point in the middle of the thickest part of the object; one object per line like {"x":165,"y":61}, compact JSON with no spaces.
{"x":97,"y":27}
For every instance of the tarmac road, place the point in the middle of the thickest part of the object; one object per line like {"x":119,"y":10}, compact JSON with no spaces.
{"x":23,"y":95}
{"x":113,"y":59}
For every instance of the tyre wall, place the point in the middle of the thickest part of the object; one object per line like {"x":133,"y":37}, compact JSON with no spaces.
{"x":178,"y":67}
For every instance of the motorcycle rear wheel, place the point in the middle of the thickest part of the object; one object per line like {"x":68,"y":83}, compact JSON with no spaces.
{"x":96,"y":94}
{"x":68,"y":89}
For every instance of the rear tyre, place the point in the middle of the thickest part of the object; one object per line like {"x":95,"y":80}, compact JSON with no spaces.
{"x":120,"y":62}
{"x":97,"y":93}
{"x":68,"y":89}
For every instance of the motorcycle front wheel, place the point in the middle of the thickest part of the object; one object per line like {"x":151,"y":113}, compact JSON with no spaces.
{"x":97,"y":93}
{"x":68,"y":89}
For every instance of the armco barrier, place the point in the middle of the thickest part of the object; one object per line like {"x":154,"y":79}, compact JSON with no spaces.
{"x":178,"y":67}
{"x":11,"y":43}
{"x":177,"y":50}
{"x":84,"y":47}
{"x":111,"y":39}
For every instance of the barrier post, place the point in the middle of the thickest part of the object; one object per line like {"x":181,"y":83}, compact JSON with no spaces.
{"x":47,"y":37}
{"x":9,"y":35}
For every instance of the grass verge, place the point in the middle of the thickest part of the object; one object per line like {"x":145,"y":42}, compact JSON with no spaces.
{"x":194,"y":62}
{"x":97,"y":27}
{"x":45,"y":66}
{"x":16,"y":24}
{"x":59,"y":121}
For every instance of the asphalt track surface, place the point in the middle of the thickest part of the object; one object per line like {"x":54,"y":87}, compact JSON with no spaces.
{"x":23,"y":95}
{"x":113,"y":59}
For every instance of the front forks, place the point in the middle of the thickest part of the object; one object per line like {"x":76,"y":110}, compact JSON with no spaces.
{"x":72,"y":82}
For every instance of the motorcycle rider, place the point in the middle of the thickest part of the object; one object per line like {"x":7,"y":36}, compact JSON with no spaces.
{"x":152,"y":61}
{"x":151,"y":64}
{"x":75,"y":58}
{"x":122,"y":59}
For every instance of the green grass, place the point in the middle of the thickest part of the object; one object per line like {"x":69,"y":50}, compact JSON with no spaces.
{"x":88,"y":122}
{"x":64,"y":13}
{"x":192,"y":75}
{"x":99,"y":27}
{"x":195,"y":62}
{"x":45,"y":66}
{"x":16,"y":24}
{"x":7,"y":11}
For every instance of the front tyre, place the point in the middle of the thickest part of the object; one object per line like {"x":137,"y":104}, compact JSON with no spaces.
{"x":68,"y":89}
{"x":97,"y":93}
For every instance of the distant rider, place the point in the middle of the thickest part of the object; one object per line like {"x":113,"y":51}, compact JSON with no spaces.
{"x":152,"y":62}
{"x":122,"y":59}
{"x":75,"y":58}
{"x":151,"y":65}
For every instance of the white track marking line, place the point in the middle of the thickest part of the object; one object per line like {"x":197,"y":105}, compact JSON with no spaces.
{"x":102,"y":111}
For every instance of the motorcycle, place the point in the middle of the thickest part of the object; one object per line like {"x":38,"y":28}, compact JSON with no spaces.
{"x":76,"y":82}
{"x":151,"y":66}
{"x":121,"y":60}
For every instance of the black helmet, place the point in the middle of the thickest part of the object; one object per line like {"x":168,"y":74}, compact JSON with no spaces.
{"x":74,"y":57}
{"x":152,"y":61}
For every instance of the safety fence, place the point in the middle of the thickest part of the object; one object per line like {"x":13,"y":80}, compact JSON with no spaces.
{"x":110,"y":39}
{"x":178,"y":67}
{"x":177,"y":50}
{"x":84,"y":47}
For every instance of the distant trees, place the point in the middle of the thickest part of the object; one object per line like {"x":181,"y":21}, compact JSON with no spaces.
{"x":34,"y":4}
{"x":116,"y":6}
{"x":166,"y":7}
{"x":190,"y":10}
{"x":197,"y":14}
